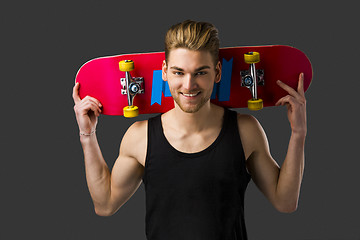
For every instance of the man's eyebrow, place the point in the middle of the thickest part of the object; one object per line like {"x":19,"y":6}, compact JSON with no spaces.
{"x":196,"y":70}
{"x":177,"y":68}
{"x":202,"y":68}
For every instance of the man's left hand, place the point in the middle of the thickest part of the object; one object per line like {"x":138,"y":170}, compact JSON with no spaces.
{"x":296,"y":106}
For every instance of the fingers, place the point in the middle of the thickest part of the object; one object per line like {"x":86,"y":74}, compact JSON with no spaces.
{"x":301,"y":85}
{"x":299,"y":94}
{"x":93,"y":104}
{"x":75,"y":95}
{"x":90,"y":103}
{"x":289,"y":100}
{"x":87,"y":109}
{"x":83,"y":106}
{"x":285,"y":100}
{"x":287,"y":88}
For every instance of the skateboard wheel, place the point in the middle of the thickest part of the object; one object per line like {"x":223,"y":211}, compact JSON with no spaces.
{"x":126,"y":65}
{"x":255,"y":104}
{"x":131,"y":111}
{"x":252,"y":57}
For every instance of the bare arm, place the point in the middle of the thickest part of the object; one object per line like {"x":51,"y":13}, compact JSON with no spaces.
{"x":109,"y":191}
{"x":280,"y":185}
{"x":126,"y":175}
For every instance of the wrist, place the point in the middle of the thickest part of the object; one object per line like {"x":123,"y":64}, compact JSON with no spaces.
{"x":298,"y":135}
{"x":88,"y":140}
{"x":87,"y":134}
{"x":87,"y":137}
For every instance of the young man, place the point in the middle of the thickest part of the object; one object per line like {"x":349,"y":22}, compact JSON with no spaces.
{"x":197,"y":159}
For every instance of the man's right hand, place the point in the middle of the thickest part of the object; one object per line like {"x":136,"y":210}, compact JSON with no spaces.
{"x":87,"y":111}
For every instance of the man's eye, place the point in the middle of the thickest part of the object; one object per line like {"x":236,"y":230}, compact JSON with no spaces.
{"x":178,"y":73}
{"x":200,"y":73}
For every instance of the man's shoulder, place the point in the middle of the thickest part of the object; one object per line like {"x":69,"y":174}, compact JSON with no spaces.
{"x":138,"y":128}
{"x":246,"y":119}
{"x":134,"y":141}
{"x":136,"y":134}
{"x":248,"y":125}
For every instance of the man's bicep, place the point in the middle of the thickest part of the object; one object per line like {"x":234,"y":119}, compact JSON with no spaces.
{"x":265,"y":172}
{"x":263,"y":168}
{"x":126,"y":178}
{"x":127,"y":172}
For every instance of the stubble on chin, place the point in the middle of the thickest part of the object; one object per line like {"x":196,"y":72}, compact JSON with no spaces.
{"x":190,"y":109}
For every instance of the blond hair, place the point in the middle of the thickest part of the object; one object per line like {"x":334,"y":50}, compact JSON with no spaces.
{"x":197,"y":36}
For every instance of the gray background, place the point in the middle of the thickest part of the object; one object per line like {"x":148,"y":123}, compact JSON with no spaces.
{"x":43,"y":43}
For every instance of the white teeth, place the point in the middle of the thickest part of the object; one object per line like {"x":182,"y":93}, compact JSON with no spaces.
{"x":190,"y":95}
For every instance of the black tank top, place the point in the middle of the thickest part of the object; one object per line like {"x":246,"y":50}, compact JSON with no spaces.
{"x":195,"y":196}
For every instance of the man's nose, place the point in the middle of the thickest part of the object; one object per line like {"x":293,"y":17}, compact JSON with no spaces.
{"x":189,"y":81}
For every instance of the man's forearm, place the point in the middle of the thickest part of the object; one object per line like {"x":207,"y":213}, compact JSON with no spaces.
{"x":97,"y":171}
{"x":291,"y":174}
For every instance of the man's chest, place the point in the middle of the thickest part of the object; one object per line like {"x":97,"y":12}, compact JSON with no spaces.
{"x":191,"y":143}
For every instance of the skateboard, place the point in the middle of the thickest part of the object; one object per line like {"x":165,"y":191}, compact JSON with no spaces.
{"x":132,"y":84}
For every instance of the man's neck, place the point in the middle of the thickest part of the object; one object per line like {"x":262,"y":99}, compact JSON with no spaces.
{"x":205,"y":117}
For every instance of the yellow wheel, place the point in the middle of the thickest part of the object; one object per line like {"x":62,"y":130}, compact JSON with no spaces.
{"x":255,"y":104}
{"x":131,"y":111}
{"x":126,"y":65}
{"x":252,"y":57}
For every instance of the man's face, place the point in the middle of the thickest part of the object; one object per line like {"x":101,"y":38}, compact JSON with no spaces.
{"x":191,"y":76}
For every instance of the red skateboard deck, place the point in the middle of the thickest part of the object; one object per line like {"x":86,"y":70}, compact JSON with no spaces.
{"x":100,"y":78}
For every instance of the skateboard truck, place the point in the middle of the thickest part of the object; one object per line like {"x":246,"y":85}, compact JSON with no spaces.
{"x":130,"y":86}
{"x":252,"y":78}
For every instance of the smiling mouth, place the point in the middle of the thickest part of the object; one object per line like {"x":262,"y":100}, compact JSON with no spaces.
{"x":190,"y":94}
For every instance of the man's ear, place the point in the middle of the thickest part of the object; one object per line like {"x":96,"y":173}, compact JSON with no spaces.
{"x":218,"y":72}
{"x":164,"y":71}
